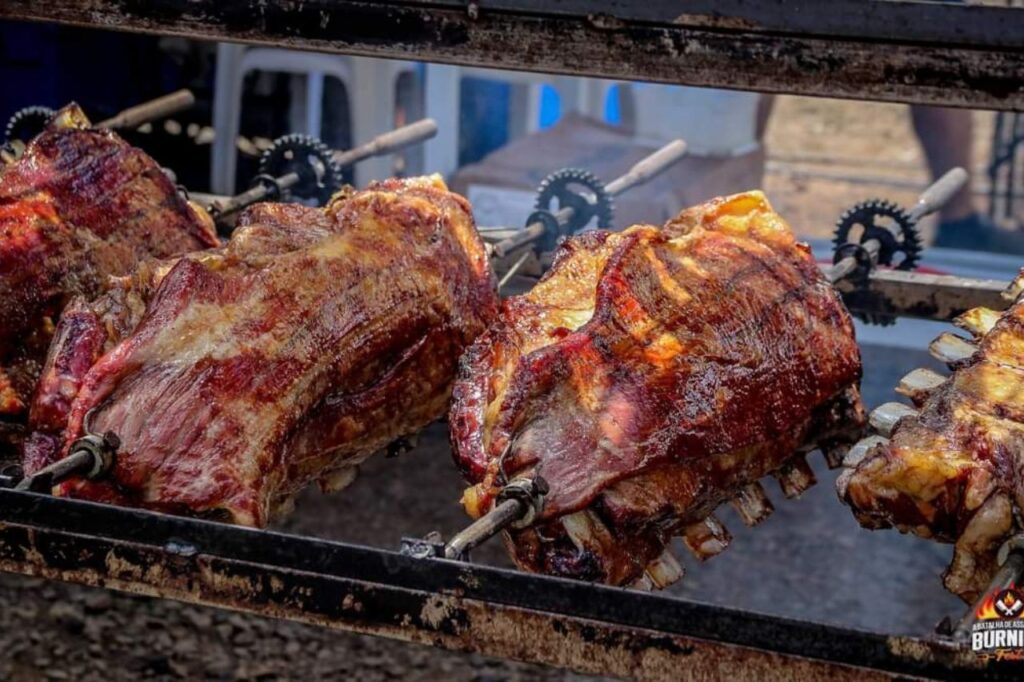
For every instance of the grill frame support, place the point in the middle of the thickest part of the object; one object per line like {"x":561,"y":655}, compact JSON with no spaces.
{"x":448,"y":604}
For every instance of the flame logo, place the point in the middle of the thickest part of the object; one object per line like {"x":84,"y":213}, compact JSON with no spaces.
{"x":1006,"y":603}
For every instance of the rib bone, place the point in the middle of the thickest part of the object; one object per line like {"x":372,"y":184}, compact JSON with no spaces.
{"x":884,"y":418}
{"x":861,"y":449}
{"x":752,"y":504}
{"x":795,"y":478}
{"x":706,"y":538}
{"x":834,"y":453}
{"x":856,"y":454}
{"x":978,"y":321}
{"x":643,"y":583}
{"x":664,"y":570}
{"x":951,"y":349}
{"x":919,"y":384}
{"x":338,"y":479}
{"x":1015,"y":289}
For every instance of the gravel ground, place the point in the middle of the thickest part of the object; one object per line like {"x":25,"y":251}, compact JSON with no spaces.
{"x":810,"y":560}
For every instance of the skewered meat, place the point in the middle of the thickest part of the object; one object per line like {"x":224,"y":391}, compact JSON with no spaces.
{"x":234,"y":377}
{"x":79,"y":206}
{"x":952,"y":472}
{"x":650,"y":376}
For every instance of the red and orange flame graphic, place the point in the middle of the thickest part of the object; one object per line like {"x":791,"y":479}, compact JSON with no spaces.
{"x":987,"y":609}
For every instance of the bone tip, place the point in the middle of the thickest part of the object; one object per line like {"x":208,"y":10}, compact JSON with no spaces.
{"x":752,"y":504}
{"x":951,"y":349}
{"x":665,"y":570}
{"x":706,"y":538}
{"x":795,"y":478}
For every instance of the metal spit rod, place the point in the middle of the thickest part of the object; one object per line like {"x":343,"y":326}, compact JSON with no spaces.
{"x":152,"y":110}
{"x":484,"y":528}
{"x":517,"y":505}
{"x":641,"y":172}
{"x":91,"y":457}
{"x":387,"y":143}
{"x":937,"y":195}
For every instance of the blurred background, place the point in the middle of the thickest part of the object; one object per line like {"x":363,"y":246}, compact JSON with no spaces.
{"x":502,"y":132}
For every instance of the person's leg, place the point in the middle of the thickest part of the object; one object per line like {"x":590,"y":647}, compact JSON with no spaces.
{"x":946,"y":136}
{"x":765,"y":107}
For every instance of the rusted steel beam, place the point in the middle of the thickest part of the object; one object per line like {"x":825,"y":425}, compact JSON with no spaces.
{"x":904,"y":21}
{"x":893,"y":51}
{"x":447,"y":604}
{"x":912,"y":294}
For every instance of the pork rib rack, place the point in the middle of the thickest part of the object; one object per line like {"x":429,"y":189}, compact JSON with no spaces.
{"x":79,"y":206}
{"x":234,"y":377}
{"x":952,"y":469}
{"x":650,"y":376}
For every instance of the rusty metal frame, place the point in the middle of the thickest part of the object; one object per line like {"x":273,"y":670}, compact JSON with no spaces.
{"x":447,"y":604}
{"x":896,"y":293}
{"x":904,"y":51}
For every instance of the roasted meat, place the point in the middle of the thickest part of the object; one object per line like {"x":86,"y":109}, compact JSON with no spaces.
{"x":234,"y":377}
{"x":953,"y":471}
{"x":650,"y":376}
{"x":79,"y":206}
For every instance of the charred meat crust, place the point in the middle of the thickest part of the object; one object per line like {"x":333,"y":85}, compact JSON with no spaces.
{"x":651,"y":375}
{"x":80,"y":206}
{"x":311,"y":340}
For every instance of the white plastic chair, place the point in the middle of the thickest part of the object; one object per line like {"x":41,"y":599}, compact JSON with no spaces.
{"x":370,"y":84}
{"x":583,"y":95}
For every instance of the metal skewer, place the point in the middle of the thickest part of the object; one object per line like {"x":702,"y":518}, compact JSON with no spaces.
{"x":517,"y":505}
{"x":150,"y":111}
{"x":641,"y":172}
{"x":28,"y":122}
{"x":269,"y":188}
{"x":854,"y":258}
{"x":90,"y":457}
{"x":389,"y":142}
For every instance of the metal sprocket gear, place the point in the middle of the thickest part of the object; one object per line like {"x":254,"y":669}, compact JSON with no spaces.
{"x":26,"y":123}
{"x":893,"y":227}
{"x":584,"y":193}
{"x":898,"y":237}
{"x":319,"y":176}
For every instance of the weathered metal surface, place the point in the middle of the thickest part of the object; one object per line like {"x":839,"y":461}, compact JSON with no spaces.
{"x":913,"y":294}
{"x":894,"y":51}
{"x":448,"y":604}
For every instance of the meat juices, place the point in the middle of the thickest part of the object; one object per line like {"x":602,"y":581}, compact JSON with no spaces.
{"x":952,"y":472}
{"x":79,"y":206}
{"x":650,"y":376}
{"x":235,"y":377}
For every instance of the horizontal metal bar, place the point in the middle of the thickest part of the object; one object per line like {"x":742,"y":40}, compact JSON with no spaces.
{"x":798,"y":50}
{"x":903,"y":21}
{"x":450,"y":604}
{"x":925,"y":296}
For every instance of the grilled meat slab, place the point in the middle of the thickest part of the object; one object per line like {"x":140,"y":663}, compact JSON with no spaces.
{"x":79,"y":206}
{"x":650,"y":376}
{"x":954,"y":471}
{"x":235,"y":377}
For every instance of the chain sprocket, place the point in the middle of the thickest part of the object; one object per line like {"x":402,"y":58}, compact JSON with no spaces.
{"x":896,"y":232}
{"x":580,"y":190}
{"x":319,"y":176}
{"x":893,"y":227}
{"x":26,"y":123}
